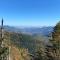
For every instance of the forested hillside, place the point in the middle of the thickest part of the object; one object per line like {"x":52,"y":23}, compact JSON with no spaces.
{"x":23,"y":44}
{"x":26,"y":41}
{"x":33,"y":47}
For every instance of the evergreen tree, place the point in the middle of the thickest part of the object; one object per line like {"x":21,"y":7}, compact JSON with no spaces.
{"x":40,"y":54}
{"x":54,"y":50}
{"x":3,"y":49}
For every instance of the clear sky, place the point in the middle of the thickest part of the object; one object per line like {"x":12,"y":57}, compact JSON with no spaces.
{"x":30,"y":12}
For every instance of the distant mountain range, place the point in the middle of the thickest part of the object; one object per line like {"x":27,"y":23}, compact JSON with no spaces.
{"x":30,"y":30}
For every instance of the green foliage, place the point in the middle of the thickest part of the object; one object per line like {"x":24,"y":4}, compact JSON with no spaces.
{"x":51,"y":52}
{"x":54,"y":50}
{"x":3,"y":53}
{"x":34,"y":44}
{"x":57,"y":28}
{"x":40,"y":54}
{"x":56,"y":36}
{"x":21,"y":40}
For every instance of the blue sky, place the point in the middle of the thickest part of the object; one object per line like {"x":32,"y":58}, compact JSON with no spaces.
{"x":30,"y":12}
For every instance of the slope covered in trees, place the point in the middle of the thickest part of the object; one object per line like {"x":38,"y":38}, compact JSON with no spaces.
{"x":33,"y":47}
{"x":23,"y":44}
{"x":55,"y":49}
{"x":52,"y":51}
{"x":15,"y":51}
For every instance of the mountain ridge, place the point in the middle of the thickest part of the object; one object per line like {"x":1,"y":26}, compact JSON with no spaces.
{"x":30,"y":30}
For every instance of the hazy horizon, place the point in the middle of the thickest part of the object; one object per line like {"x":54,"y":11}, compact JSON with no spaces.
{"x":26,"y":26}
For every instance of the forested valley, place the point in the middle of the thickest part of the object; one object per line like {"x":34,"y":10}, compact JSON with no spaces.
{"x":22,"y":46}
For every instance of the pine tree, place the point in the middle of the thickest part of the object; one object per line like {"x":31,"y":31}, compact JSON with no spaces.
{"x":40,"y":52}
{"x":54,"y":50}
{"x":3,"y":49}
